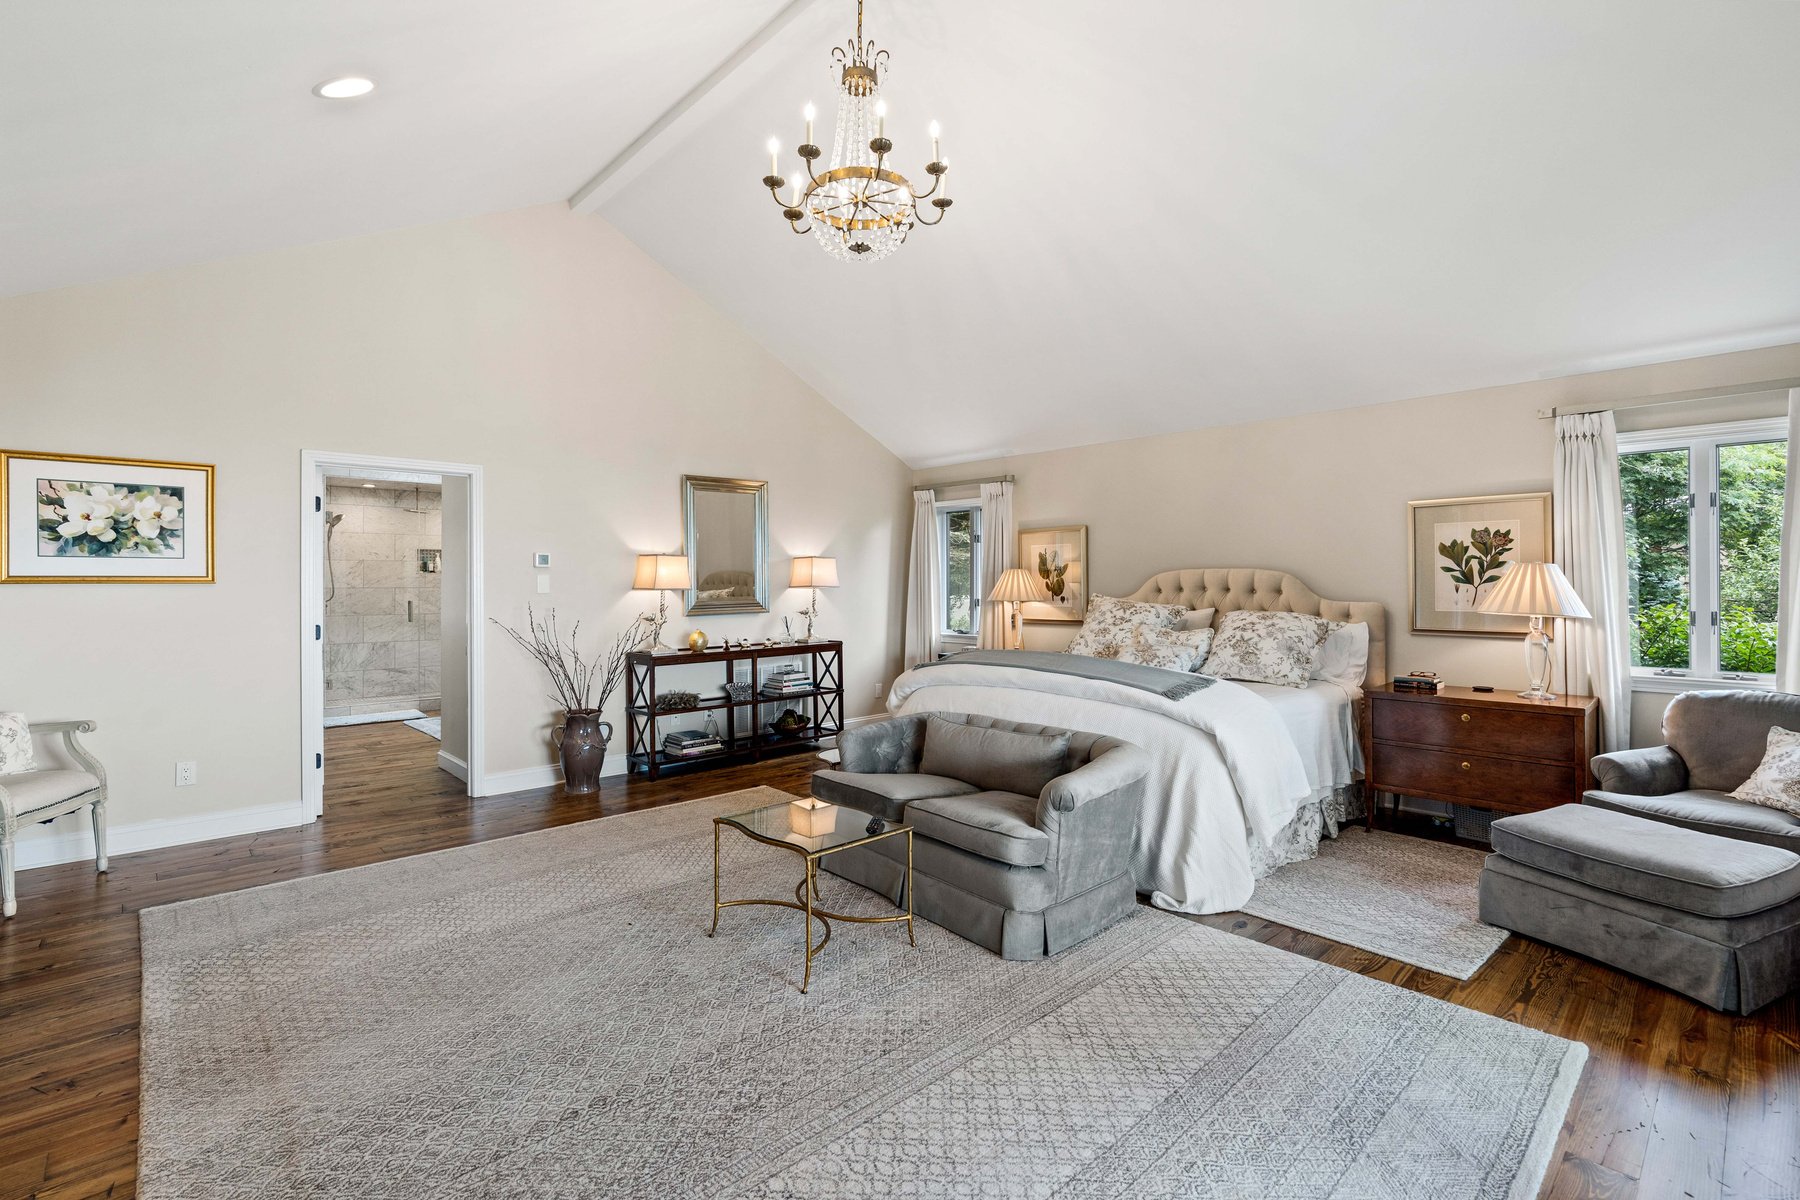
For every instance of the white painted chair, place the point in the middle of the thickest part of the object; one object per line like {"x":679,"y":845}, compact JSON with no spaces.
{"x":30,"y":797}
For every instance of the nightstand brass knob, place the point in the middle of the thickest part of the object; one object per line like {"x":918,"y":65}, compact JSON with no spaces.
{"x":1465,"y":718}
{"x":1465,"y":766}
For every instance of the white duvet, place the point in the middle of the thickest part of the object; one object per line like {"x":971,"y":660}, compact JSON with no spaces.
{"x":1224,"y":767}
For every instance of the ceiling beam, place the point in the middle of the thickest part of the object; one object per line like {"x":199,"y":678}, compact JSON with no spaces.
{"x":632,"y":160}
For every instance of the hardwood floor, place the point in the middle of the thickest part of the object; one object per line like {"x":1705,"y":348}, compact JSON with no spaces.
{"x":1676,"y":1101}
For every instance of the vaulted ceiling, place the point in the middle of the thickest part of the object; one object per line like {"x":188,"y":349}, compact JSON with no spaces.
{"x":1169,"y":214}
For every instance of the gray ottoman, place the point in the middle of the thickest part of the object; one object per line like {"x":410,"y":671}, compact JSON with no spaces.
{"x":1710,"y":917}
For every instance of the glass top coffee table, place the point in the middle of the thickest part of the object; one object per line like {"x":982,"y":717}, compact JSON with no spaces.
{"x":813,"y":829}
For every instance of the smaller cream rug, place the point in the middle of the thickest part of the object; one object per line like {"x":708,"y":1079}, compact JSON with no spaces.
{"x":1405,"y":897}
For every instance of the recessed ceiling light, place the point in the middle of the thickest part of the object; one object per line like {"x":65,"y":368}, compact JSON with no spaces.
{"x":347,"y":88}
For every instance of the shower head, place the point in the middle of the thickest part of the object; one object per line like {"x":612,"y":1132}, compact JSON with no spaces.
{"x":331,"y":520}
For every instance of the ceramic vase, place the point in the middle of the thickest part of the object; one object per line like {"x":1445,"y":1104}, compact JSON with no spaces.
{"x":582,"y":739}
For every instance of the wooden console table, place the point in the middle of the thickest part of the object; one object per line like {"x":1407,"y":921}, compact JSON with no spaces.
{"x":745,"y":733}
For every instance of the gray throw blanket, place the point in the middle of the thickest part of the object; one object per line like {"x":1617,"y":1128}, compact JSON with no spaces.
{"x":1171,"y":685}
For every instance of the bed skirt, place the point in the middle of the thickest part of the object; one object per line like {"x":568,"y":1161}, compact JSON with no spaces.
{"x":1321,"y":816}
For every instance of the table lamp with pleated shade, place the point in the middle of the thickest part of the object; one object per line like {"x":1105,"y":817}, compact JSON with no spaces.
{"x":1536,"y":590}
{"x":1017,"y":586}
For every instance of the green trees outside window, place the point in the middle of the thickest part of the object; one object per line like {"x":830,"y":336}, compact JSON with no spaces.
{"x":1752,"y":478}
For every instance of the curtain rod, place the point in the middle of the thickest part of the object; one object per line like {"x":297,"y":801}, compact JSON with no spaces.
{"x":956,"y":483}
{"x":1745,"y":389}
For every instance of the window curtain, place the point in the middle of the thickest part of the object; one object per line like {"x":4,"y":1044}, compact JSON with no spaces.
{"x":1590,"y":548}
{"x":999,"y":539}
{"x":1787,"y":614}
{"x":924,"y":588}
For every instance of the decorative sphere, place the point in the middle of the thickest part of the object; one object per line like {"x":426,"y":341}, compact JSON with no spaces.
{"x":697,"y":640}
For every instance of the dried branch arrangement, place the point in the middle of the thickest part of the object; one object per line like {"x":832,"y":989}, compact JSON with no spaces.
{"x":573,"y":675}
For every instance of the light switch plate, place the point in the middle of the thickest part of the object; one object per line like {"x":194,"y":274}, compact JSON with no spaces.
{"x":543,"y":584}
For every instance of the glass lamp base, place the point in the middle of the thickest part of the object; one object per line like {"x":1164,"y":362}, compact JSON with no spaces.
{"x":1537,"y":663}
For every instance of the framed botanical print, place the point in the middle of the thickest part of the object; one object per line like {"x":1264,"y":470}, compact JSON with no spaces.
{"x":1461,"y":547}
{"x":68,"y":518}
{"x":1059,"y":557}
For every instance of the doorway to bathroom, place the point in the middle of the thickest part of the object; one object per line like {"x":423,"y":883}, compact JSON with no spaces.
{"x":391,"y":610}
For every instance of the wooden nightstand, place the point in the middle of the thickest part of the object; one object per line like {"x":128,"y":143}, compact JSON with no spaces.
{"x":1486,"y":749}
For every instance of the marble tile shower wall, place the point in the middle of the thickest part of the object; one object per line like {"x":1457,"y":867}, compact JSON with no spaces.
{"x":381,"y":622}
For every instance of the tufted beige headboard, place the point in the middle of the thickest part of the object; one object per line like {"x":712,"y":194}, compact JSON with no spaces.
{"x":1229,"y":588}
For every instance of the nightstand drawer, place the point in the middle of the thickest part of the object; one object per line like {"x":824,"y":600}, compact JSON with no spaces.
{"x":1546,"y":735}
{"x":1488,"y":782}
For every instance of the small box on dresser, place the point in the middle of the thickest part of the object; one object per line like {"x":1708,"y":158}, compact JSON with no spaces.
{"x":1491,"y":750}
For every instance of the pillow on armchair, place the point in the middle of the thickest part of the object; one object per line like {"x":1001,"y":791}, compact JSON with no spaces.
{"x":15,"y":744}
{"x":1776,"y":782}
{"x":994,"y":760}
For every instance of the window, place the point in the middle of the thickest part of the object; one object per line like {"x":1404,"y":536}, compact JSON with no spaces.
{"x":1703,"y":509}
{"x":959,"y":534}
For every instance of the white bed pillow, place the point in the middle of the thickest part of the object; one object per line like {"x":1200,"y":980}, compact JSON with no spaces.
{"x":1111,"y":620}
{"x":1343,"y":656}
{"x":1172,"y":649}
{"x":1198,"y":618}
{"x":15,"y":744}
{"x":1266,"y":647}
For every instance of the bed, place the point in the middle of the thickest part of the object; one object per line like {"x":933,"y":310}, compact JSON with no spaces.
{"x":1246,"y":777}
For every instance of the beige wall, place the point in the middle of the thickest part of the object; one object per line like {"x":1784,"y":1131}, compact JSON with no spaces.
{"x":544,"y":346}
{"x":1324,"y":496}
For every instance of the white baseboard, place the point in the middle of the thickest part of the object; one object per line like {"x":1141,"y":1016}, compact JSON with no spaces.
{"x":449,"y":762}
{"x":870,"y":719}
{"x":499,"y":783}
{"x":75,"y":842}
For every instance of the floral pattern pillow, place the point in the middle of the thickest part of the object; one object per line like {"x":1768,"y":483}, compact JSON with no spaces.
{"x":1110,"y":622}
{"x":15,"y":744}
{"x":1776,"y":782}
{"x":1172,"y":649}
{"x":1267,"y":647}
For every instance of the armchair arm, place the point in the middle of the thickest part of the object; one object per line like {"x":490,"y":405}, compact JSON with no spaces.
{"x":1119,"y":767}
{"x":77,"y":751}
{"x":889,"y":747}
{"x":1651,"y":771}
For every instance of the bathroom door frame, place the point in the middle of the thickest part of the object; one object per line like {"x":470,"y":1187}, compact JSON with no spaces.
{"x":314,"y":466}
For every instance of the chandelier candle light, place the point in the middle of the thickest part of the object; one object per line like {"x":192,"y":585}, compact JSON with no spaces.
{"x":1536,"y":590}
{"x":857,"y":208}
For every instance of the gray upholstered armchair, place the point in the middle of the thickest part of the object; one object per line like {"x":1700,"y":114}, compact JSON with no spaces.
{"x":1715,"y":742}
{"x":1022,"y":833}
{"x":29,"y":797}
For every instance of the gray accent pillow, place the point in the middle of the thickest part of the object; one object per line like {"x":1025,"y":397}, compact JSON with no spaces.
{"x":994,"y":760}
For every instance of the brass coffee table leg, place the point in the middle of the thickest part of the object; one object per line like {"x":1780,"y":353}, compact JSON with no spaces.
{"x":811,"y":887}
{"x":909,"y":903}
{"x":715,"y":924}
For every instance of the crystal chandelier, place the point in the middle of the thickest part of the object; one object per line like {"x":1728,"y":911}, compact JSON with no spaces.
{"x":857,"y":208}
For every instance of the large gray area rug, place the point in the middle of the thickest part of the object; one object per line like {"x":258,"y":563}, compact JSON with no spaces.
{"x":1405,"y":897}
{"x":544,"y":1016}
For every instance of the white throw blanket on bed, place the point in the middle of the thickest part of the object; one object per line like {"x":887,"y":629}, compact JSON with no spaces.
{"x":1224,"y":768}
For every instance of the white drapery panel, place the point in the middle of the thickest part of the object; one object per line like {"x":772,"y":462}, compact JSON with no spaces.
{"x":999,"y":540}
{"x":924,"y":589}
{"x":1590,"y":548}
{"x":1787,"y":618}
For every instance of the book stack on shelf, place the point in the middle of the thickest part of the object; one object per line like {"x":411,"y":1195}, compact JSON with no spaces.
{"x":787,"y":683}
{"x":691,"y":743}
{"x":1418,"y":682}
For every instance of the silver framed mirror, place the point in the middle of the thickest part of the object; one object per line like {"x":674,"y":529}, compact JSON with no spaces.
{"x":726,"y":523}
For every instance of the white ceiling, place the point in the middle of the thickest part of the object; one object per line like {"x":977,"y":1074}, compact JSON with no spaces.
{"x":140,"y":134}
{"x":1168,"y":214}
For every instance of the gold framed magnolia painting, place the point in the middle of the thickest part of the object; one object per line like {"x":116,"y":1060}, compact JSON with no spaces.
{"x":1059,"y":558}
{"x":68,"y":518}
{"x":1461,"y":547}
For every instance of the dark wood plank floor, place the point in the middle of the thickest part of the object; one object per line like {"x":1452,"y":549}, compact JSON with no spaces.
{"x":1677,"y":1100}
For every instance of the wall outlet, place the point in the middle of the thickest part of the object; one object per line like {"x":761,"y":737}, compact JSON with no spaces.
{"x":187,"y":774}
